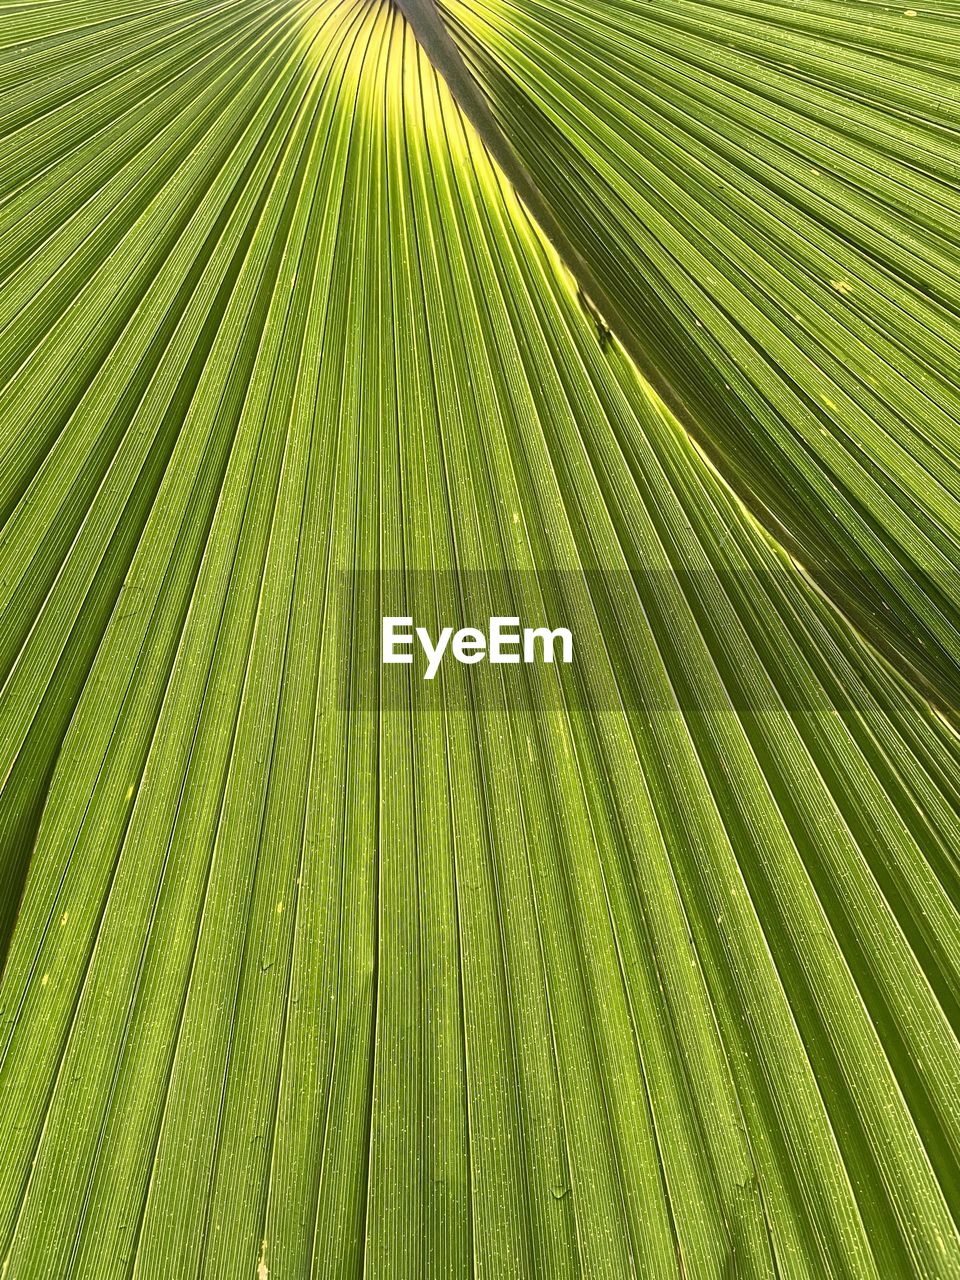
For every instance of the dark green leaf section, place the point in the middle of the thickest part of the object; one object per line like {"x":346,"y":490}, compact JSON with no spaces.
{"x":767,"y":194}
{"x":642,"y":967}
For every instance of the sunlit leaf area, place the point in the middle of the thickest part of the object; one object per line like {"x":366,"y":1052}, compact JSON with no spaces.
{"x":638,"y":318}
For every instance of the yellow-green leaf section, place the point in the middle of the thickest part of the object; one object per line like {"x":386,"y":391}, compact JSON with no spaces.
{"x":767,"y":193}
{"x":642,"y":967}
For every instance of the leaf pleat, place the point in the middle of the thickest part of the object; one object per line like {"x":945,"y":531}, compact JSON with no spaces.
{"x":767,"y":197}
{"x":642,"y":966}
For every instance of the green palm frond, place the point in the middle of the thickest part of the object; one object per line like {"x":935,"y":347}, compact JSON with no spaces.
{"x":768,"y":197}
{"x":645,"y":966}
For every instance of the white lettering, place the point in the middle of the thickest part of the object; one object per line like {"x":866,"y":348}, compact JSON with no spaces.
{"x":434,"y":652}
{"x":390,"y":639}
{"x":500,"y":637}
{"x":470,"y":645}
{"x":532,"y":634}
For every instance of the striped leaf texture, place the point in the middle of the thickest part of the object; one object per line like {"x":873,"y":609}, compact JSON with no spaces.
{"x":767,"y":194}
{"x":643,"y":967}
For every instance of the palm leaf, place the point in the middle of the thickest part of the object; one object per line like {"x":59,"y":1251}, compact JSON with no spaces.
{"x":645,"y":966}
{"x":768,"y":202}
